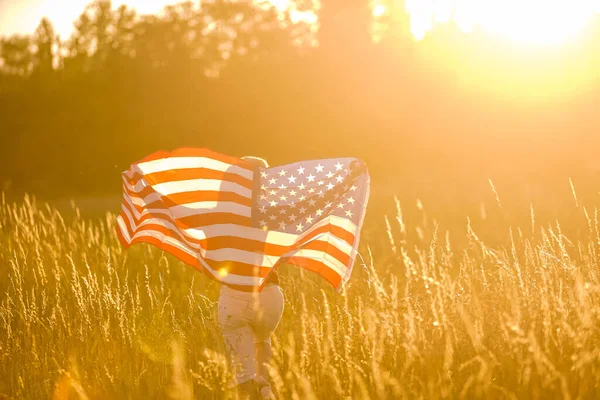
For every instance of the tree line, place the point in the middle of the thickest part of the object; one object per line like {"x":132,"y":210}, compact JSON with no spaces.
{"x":316,"y":79}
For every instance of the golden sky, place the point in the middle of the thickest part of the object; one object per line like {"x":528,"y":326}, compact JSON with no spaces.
{"x":23,"y":16}
{"x":522,"y":48}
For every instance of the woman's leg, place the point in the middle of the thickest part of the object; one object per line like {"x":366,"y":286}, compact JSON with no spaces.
{"x":239,"y":344}
{"x":267,"y":318}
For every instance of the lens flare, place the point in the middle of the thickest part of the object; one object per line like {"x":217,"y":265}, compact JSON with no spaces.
{"x":539,"y":22}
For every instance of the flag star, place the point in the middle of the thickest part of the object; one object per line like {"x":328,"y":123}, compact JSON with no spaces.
{"x":282,"y":211}
{"x":302,"y":198}
{"x":283,"y":197}
{"x":311,"y":178}
{"x":329,"y":174}
{"x":299,"y":227}
{"x":338,"y":166}
{"x":293,"y":192}
{"x":319,"y":212}
{"x":309,"y":220}
{"x":282,"y":225}
{"x":263,"y":174}
{"x":353,"y":188}
{"x":263,"y":223}
{"x":311,"y":190}
{"x":328,"y":205}
{"x":283,"y":172}
{"x":282,"y":186}
{"x":292,"y":218}
{"x":319,"y":168}
{"x":302,"y":187}
{"x":273,"y":203}
{"x":273,"y":217}
{"x":302,"y":210}
{"x":320,"y":183}
{"x":312,"y":202}
{"x":263,"y":209}
{"x":329,"y":186}
{"x":321,"y":194}
{"x":351,"y":200}
{"x":292,"y":179}
{"x":340,"y":205}
{"x":300,"y":171}
{"x":263,"y":197}
{"x":273,"y":192}
{"x":263,"y":187}
{"x":339,"y":179}
{"x":272,"y":181}
{"x":349,"y":213}
{"x":292,"y":205}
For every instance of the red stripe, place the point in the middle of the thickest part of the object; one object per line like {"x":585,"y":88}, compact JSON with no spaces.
{"x":174,"y":175}
{"x":268,"y":248}
{"x":234,"y":267}
{"x":327,"y":248}
{"x":221,"y":242}
{"x":192,"y":221}
{"x":177,"y":199}
{"x":315,"y":266}
{"x":238,"y":268}
{"x":148,"y":190}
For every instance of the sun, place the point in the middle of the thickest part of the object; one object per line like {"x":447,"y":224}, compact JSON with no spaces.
{"x":536,"y":22}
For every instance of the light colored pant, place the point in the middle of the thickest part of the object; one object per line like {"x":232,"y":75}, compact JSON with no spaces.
{"x":247,"y":321}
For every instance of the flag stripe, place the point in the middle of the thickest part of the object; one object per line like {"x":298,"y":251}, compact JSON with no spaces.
{"x":325,"y":258}
{"x":231,"y":248}
{"x":260,"y":241}
{"x":183,"y":253}
{"x":201,"y":220}
{"x":153,"y":199}
{"x":198,"y":208}
{"x":204,"y":208}
{"x":191,"y":185}
{"x":173,"y":175}
{"x":204,"y":153}
{"x":321,"y":267}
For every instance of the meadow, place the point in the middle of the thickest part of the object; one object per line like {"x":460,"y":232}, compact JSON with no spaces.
{"x":432,"y":311}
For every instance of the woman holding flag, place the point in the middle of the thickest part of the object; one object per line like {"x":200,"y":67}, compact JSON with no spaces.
{"x":247,"y":320}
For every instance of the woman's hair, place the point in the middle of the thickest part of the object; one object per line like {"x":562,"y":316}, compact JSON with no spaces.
{"x":261,"y":162}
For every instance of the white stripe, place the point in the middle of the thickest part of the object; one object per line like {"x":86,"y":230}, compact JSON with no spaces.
{"x":192,"y":185}
{"x":230,"y":278}
{"x":225,"y":254}
{"x":170,"y":163}
{"x":330,"y":261}
{"x":239,"y":255}
{"x":199,"y":208}
{"x":205,"y":207}
{"x":246,"y":232}
{"x":273,"y":237}
{"x":366,"y":192}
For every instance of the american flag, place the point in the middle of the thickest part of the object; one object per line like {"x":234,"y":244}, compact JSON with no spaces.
{"x":236,"y":222}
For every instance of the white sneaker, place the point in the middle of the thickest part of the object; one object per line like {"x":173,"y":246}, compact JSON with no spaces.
{"x":266,"y":393}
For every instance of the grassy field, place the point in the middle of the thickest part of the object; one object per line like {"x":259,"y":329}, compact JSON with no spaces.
{"x":427,"y":314}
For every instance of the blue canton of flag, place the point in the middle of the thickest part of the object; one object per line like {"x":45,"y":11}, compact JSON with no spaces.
{"x":296,"y":196}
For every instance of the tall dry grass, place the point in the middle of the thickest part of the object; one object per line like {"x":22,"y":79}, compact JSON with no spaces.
{"x":422,"y":318}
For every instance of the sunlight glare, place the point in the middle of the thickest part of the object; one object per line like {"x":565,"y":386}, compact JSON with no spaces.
{"x":539,"y":22}
{"x":378,"y":10}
